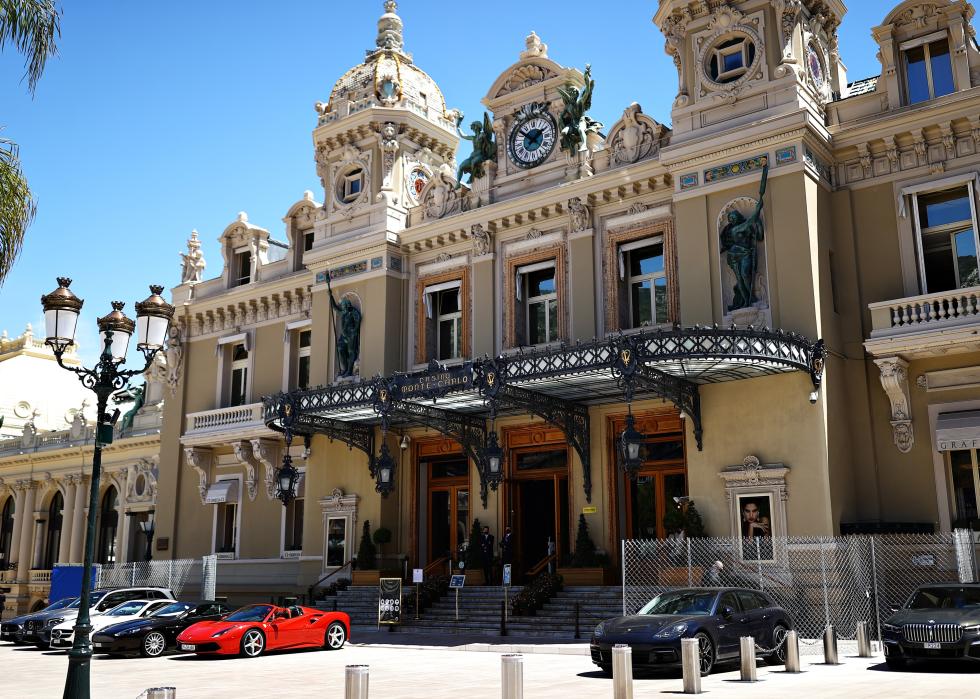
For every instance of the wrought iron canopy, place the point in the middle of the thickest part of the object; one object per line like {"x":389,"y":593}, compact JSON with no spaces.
{"x":556,"y":383}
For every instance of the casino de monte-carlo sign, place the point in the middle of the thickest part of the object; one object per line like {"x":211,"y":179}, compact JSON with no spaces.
{"x":434,"y":383}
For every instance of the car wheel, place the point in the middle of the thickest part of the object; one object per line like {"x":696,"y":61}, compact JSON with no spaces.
{"x":895,"y":663}
{"x":253,"y":643}
{"x":153,"y":645}
{"x":778,"y":656}
{"x":706,"y":653}
{"x":335,"y":637}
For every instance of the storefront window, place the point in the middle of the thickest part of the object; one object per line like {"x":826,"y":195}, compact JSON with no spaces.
{"x":336,"y":541}
{"x":964,"y":480}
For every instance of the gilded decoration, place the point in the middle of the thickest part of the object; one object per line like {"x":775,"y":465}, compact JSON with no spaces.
{"x":556,"y":253}
{"x":421,"y":321}
{"x":614,"y":290}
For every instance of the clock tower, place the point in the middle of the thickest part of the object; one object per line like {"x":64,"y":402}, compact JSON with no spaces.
{"x":527,"y":106}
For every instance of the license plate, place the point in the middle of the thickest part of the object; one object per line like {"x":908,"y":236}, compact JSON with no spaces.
{"x":931,"y":646}
{"x":187,"y":646}
{"x":98,"y":645}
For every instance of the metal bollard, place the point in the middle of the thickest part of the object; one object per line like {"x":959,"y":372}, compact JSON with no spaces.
{"x":691,"y":665}
{"x":512,"y":676}
{"x":622,"y":668}
{"x":830,"y":645}
{"x":864,"y":643}
{"x":747,"y":646}
{"x":792,"y":651}
{"x":356,"y":682}
{"x":161,"y":693}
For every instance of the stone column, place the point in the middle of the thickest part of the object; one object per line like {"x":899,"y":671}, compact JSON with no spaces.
{"x":122,"y":528}
{"x":67,"y":528}
{"x":78,"y":521}
{"x":39,"y":537}
{"x":15,"y":539}
{"x":26,"y":533}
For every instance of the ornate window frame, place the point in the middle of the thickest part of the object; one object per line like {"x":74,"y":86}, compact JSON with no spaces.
{"x":339,"y":505}
{"x":556,"y":253}
{"x":725,"y":25}
{"x":614,"y":289}
{"x":754,"y":478}
{"x":462,"y":275}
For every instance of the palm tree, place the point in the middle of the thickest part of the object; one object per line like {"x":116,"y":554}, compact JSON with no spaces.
{"x":33,"y":27}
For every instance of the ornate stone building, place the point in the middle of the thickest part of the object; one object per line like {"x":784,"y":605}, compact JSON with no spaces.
{"x":46,"y":466}
{"x":740,"y":288}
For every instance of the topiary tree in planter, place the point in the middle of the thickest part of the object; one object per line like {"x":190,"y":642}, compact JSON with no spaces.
{"x":685,"y":518}
{"x":585,"y":552}
{"x":382,"y":536}
{"x":366,"y":553}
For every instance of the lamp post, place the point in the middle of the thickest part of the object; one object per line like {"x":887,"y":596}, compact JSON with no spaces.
{"x":61,"y":311}
{"x":630,"y":442}
{"x":147,"y":526}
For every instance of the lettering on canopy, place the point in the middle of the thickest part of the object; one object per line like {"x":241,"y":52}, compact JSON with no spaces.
{"x":435,"y":383}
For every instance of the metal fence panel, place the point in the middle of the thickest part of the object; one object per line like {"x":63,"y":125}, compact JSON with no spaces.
{"x":170,"y":574}
{"x":819,"y":580}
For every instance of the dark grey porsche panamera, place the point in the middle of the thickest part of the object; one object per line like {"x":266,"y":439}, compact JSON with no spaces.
{"x":716,"y":617}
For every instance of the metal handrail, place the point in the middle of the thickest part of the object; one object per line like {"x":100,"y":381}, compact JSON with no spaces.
{"x":318,"y":583}
{"x":435,"y":565}
{"x":540,"y":565}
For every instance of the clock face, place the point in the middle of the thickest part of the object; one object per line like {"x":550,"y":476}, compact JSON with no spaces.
{"x":815,"y":65}
{"x":532,"y":140}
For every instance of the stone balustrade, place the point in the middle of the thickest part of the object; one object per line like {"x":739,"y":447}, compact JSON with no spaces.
{"x":239,"y":416}
{"x":40,"y":576}
{"x":924,"y":313}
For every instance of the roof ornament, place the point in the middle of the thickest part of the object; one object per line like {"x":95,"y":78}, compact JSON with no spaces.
{"x":390,"y":28}
{"x":535,"y":48}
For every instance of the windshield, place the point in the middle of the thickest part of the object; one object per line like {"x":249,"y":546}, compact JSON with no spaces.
{"x":93,"y":598}
{"x":61,"y":604}
{"x":256,"y":613}
{"x":126,"y":609}
{"x":680,"y":602}
{"x":172,"y":609}
{"x":952,"y":597}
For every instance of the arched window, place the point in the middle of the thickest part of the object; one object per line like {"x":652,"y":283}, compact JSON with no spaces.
{"x":6,"y":531}
{"x":108,"y":521}
{"x":53,"y":539}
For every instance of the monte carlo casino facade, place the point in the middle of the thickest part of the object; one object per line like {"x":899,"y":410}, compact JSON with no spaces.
{"x":812,"y":350}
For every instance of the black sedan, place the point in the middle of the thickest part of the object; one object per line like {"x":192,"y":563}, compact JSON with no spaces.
{"x":27,"y":628}
{"x":716,"y":617}
{"x":938,"y":622}
{"x":152,"y":636}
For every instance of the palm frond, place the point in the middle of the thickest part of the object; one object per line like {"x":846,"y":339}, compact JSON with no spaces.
{"x":33,"y":27}
{"x":17,"y":207}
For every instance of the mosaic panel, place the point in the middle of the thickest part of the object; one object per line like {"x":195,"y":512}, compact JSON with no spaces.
{"x":735,"y":169}
{"x":818,"y":165}
{"x":377,"y":262}
{"x":689,"y":180}
{"x":785,"y":156}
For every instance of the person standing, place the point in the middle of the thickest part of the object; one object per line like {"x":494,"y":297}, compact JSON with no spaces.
{"x":507,"y":547}
{"x":486,"y":551}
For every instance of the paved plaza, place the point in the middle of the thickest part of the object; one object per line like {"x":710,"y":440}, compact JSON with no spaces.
{"x":472,"y":671}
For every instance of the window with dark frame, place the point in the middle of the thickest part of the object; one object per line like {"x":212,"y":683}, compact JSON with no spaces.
{"x":947,"y":240}
{"x":238,"y":392}
{"x":539,"y":297}
{"x":303,"y":358}
{"x":443,"y":328}
{"x":243,"y":268}
{"x":928,"y":71}
{"x":643,"y":272}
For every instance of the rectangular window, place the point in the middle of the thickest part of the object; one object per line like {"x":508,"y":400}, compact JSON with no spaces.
{"x":243,"y":268}
{"x":226,"y":527}
{"x":947,"y":239}
{"x":964,"y":484}
{"x":537,"y":286}
{"x":303,"y":358}
{"x":353,"y":184}
{"x":238,"y":393}
{"x":928,"y":71}
{"x":642,"y":269}
{"x":443,"y":333}
{"x":293,"y":527}
{"x":336,"y":541}
{"x":308,"y":241}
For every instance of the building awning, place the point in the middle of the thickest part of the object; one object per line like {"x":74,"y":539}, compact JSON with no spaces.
{"x":959,"y":430}
{"x":222,"y":491}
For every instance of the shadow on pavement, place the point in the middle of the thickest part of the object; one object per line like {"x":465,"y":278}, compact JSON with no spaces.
{"x":925,"y":667}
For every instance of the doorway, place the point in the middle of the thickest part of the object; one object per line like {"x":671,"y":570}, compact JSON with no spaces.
{"x":448,"y":499}
{"x":539,"y":512}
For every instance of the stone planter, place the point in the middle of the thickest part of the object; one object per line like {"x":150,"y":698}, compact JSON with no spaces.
{"x":573,"y":577}
{"x":365,"y":577}
{"x":474,"y":577}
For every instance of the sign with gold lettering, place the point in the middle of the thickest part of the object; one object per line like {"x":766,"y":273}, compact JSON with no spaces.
{"x":436,"y":382}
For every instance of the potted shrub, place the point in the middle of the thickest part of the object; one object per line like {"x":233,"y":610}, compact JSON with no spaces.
{"x":473,"y":558}
{"x":584,"y":567}
{"x":381,"y":536}
{"x":366,"y":572}
{"x":681,"y":523}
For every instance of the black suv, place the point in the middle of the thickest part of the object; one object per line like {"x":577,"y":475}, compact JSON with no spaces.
{"x":939,"y":622}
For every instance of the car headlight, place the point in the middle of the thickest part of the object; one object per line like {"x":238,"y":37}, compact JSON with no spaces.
{"x":128,"y":632}
{"x":223,"y":631}
{"x":972,"y":629}
{"x":672,"y":631}
{"x":54,"y":622}
{"x":891,"y":628}
{"x":599,"y":630}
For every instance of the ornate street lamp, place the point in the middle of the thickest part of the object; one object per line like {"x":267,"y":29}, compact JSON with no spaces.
{"x":147,"y":526}
{"x":61,"y":311}
{"x":286,"y":479}
{"x":493,"y":457}
{"x":630,"y":442}
{"x":384,"y":470}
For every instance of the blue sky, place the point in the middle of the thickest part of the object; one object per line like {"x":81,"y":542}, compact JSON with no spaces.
{"x":160,"y":117}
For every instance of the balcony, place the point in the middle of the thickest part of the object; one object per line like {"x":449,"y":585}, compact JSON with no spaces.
{"x":243,"y":419}
{"x":922,"y":325}
{"x":40,"y":576}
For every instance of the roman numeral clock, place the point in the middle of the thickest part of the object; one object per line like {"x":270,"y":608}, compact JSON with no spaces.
{"x":532,"y":136}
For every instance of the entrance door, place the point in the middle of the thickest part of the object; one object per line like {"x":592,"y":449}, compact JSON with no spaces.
{"x":449,"y":507}
{"x":661,"y":478}
{"x":539,"y":505}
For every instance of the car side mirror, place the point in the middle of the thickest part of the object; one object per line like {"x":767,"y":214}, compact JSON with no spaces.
{"x":727,"y":612}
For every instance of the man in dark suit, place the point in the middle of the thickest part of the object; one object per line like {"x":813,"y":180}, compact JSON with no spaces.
{"x":486,"y":550}
{"x":507,"y":547}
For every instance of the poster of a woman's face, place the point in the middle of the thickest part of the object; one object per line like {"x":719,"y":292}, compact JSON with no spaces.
{"x":755,"y":522}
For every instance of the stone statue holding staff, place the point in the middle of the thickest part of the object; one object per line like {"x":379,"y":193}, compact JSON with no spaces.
{"x":347,"y":331}
{"x":739,"y":242}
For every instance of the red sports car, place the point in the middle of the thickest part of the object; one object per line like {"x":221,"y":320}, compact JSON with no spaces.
{"x":252,"y":630}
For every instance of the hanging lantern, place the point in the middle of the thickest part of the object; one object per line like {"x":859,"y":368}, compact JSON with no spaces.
{"x":384,"y":472}
{"x":630,"y":443}
{"x":286,"y":479}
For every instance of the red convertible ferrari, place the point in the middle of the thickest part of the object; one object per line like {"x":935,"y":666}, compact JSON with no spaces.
{"x":260,"y":627}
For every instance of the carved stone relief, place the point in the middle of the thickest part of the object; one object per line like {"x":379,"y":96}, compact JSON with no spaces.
{"x":895,"y":381}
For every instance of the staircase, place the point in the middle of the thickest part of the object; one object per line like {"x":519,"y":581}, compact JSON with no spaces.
{"x":479,"y":612}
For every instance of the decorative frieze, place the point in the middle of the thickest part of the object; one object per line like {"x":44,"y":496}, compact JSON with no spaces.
{"x":736,"y":169}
